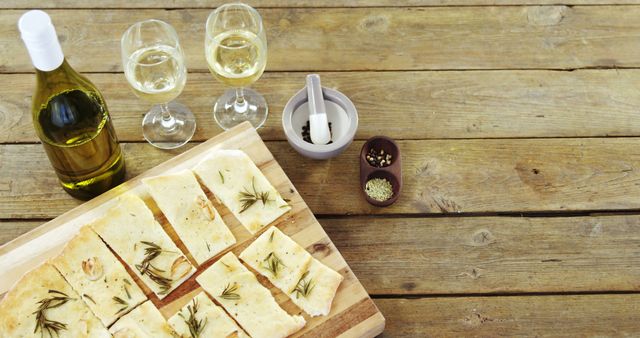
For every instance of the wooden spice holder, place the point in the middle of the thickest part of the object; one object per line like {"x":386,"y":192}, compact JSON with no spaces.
{"x":392,"y":173}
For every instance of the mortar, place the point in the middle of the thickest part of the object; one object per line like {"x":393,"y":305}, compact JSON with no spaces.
{"x":341,"y":113}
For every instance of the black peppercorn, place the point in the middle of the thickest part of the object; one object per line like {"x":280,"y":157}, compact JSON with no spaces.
{"x":306,"y":132}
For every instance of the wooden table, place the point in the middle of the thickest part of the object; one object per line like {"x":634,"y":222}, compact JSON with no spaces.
{"x":519,"y":128}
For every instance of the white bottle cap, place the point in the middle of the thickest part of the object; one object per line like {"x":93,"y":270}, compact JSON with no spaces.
{"x":41,"y":40}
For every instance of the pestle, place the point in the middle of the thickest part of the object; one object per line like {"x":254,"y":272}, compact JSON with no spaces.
{"x":318,"y":123}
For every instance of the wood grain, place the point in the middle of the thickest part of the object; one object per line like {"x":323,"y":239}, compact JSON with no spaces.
{"x":317,"y":39}
{"x":440,"y":176}
{"x":405,"y":105}
{"x":540,"y":316}
{"x":418,"y":256}
{"x":28,"y":4}
{"x":350,"y":307}
{"x":403,"y":256}
{"x":11,"y":229}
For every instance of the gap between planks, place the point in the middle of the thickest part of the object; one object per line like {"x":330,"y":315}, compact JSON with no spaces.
{"x":444,"y":70}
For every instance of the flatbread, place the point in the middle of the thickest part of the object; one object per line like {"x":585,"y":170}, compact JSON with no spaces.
{"x":229,"y":174}
{"x":214,"y":322}
{"x":246,"y":300}
{"x":97,"y":276}
{"x":322,"y":283}
{"x":145,"y":321}
{"x":310,"y":284}
{"x":187,"y":208}
{"x":18,"y":308}
{"x":278,"y":257}
{"x":131,"y":231}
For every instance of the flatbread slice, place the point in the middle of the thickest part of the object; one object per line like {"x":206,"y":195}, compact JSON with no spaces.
{"x":131,"y":231}
{"x":316,"y":289}
{"x":278,"y":257}
{"x":202,"y":318}
{"x":97,"y":276}
{"x":43,"y":294}
{"x":191,"y":214}
{"x":246,"y":300}
{"x":238,"y":183}
{"x":145,"y":321}
{"x":310,"y":284}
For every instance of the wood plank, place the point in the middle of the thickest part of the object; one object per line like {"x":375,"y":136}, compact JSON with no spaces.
{"x":317,"y":39}
{"x":490,"y":254}
{"x":440,"y":176}
{"x":27,"y":4}
{"x":351,"y":304}
{"x":481,"y":104}
{"x":479,"y":254}
{"x":541,"y":316}
{"x":10,"y":229}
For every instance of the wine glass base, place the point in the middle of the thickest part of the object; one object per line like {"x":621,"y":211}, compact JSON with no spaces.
{"x":227,"y":114}
{"x":172,"y":133}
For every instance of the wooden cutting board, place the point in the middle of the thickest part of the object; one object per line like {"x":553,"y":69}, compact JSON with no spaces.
{"x":353,"y":313}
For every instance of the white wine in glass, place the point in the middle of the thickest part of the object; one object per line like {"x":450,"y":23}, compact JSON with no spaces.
{"x":236,"y":51}
{"x":154,"y":67}
{"x":155,"y":73}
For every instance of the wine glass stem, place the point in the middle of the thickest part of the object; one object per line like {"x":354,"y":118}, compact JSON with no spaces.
{"x":241,"y":106}
{"x":168,"y":121}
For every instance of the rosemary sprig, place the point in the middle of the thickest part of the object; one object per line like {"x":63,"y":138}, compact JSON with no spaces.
{"x":221,"y":176}
{"x":43,"y":324}
{"x":273,"y":264}
{"x":229,"y":292}
{"x":195,"y":326}
{"x":304,"y":287}
{"x":248,"y":198}
{"x":124,"y":303}
{"x":151,"y":252}
{"x":154,"y":274}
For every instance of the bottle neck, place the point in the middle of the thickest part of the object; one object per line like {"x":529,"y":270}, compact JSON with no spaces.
{"x":59,"y":73}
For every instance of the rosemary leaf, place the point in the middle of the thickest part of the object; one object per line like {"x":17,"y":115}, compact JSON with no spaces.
{"x":126,"y":290}
{"x":304,"y":287}
{"x":151,"y":252}
{"x":273,"y":264}
{"x":43,"y":324}
{"x":249,"y":198}
{"x":89,"y":298}
{"x":221,"y":176}
{"x":229,"y":292}
{"x":119,"y":300}
{"x":195,"y":326}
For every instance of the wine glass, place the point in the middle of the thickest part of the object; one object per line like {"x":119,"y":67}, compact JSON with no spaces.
{"x":154,"y":67}
{"x":236,"y":51}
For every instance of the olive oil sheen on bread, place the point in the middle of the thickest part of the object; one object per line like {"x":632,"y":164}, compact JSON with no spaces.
{"x":70,"y":116}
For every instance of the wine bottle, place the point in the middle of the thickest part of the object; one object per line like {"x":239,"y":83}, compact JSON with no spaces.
{"x":70,"y":116}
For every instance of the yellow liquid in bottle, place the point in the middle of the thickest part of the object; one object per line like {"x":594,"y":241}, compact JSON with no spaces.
{"x":80,"y":142}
